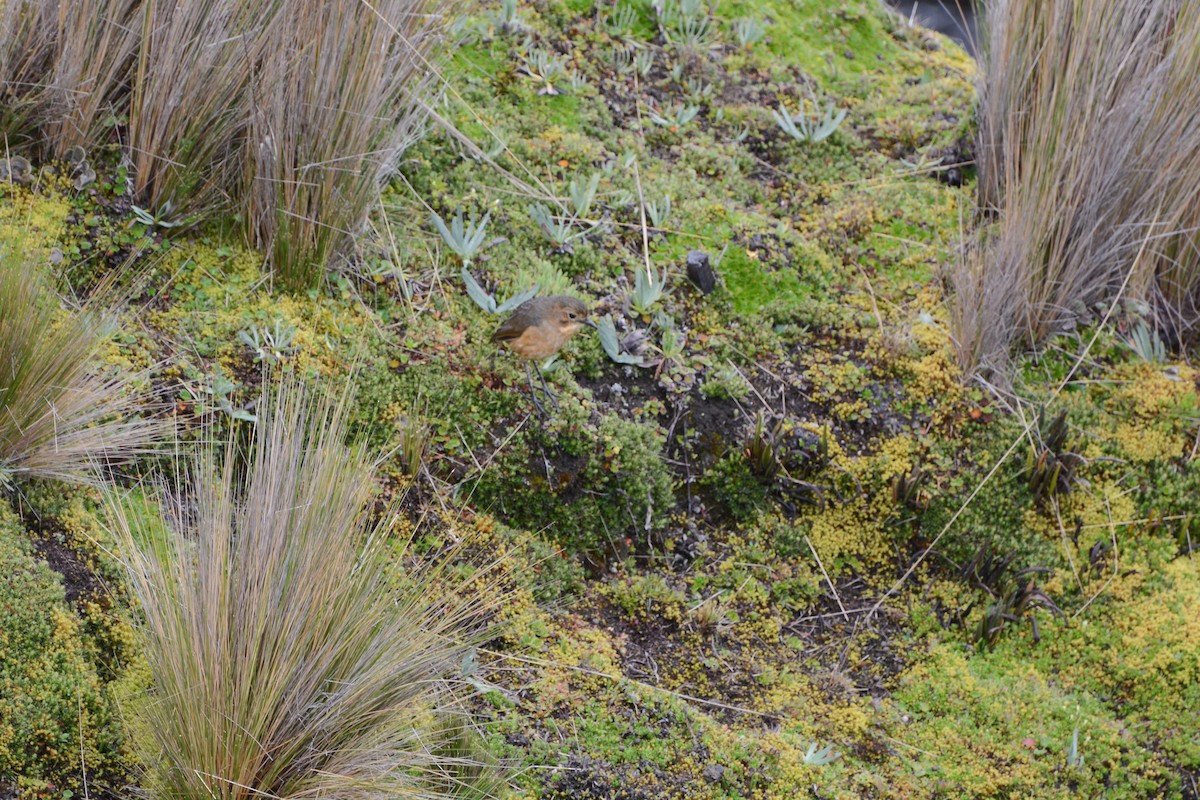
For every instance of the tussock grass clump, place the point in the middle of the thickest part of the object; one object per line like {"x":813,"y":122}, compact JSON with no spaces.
{"x":288,"y":658}
{"x":60,"y":413}
{"x":1089,"y":161}
{"x":289,"y":114}
{"x":336,"y":99}
{"x":63,"y":68}
{"x":190,"y":103}
{"x":25,"y":56}
{"x":94,"y":48}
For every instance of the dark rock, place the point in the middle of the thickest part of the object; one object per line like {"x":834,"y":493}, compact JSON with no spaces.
{"x":714,"y":773}
{"x":954,"y":19}
{"x":700,"y":271}
{"x":951,"y":177}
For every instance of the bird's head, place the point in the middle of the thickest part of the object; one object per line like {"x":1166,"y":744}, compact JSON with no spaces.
{"x":569,"y":315}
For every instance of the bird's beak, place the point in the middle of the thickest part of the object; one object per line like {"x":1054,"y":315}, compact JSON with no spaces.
{"x":591,"y":324}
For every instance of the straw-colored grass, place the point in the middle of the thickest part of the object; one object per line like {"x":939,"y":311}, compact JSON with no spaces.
{"x":1089,"y":165}
{"x":94,"y":48}
{"x":64,"y":69}
{"x":336,"y":99}
{"x":286,"y":114}
{"x":26,"y":57}
{"x":189,"y":102}
{"x":288,"y":660}
{"x":59,"y":412}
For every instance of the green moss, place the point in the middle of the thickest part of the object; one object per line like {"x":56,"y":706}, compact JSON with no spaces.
{"x":1138,"y":646}
{"x":822,"y":38}
{"x":55,"y":717}
{"x":38,"y":220}
{"x":592,"y":488}
{"x":753,"y":286}
{"x":995,"y":726}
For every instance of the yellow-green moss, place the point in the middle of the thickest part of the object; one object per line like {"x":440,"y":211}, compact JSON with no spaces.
{"x":996,"y":726}
{"x":38,"y":220}
{"x":55,"y":717}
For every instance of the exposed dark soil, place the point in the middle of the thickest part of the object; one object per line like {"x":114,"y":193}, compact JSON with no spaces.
{"x":78,"y":578}
{"x":829,"y":626}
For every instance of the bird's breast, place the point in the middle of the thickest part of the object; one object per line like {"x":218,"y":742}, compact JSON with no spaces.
{"x":537,"y":343}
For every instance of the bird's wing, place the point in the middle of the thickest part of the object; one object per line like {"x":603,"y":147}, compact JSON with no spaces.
{"x":525,"y":317}
{"x":509,"y":329}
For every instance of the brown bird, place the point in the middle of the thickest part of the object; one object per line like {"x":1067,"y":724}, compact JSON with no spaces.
{"x":538,"y":329}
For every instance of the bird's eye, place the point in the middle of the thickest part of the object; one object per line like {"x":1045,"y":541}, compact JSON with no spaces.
{"x":571,"y":314}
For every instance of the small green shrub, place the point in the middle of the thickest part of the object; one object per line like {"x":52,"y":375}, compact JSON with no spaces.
{"x":733,"y":485}
{"x":725,"y":383}
{"x":53,"y":711}
{"x":647,"y":597}
{"x":610,"y":486}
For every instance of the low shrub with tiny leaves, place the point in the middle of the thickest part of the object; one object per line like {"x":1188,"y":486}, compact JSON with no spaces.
{"x":55,"y":718}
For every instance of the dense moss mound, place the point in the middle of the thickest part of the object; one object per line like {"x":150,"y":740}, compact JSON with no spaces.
{"x":57,"y":717}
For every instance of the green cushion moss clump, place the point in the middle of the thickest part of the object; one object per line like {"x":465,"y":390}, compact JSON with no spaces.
{"x":54,"y":716}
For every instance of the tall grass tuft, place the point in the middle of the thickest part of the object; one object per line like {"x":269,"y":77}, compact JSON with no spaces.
{"x":60,"y":414}
{"x":64,"y":69}
{"x":1089,"y":165}
{"x":287,"y":114}
{"x":189,"y":102}
{"x":26,"y":56}
{"x":336,"y":99}
{"x":288,"y":657}
{"x":95,"y":42}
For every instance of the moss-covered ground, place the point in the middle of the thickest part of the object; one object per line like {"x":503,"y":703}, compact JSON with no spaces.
{"x":793,"y":526}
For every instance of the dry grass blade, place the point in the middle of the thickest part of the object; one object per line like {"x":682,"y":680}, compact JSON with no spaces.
{"x":1088,"y":149}
{"x":337,"y":99}
{"x":58,"y":415}
{"x":288,"y":659}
